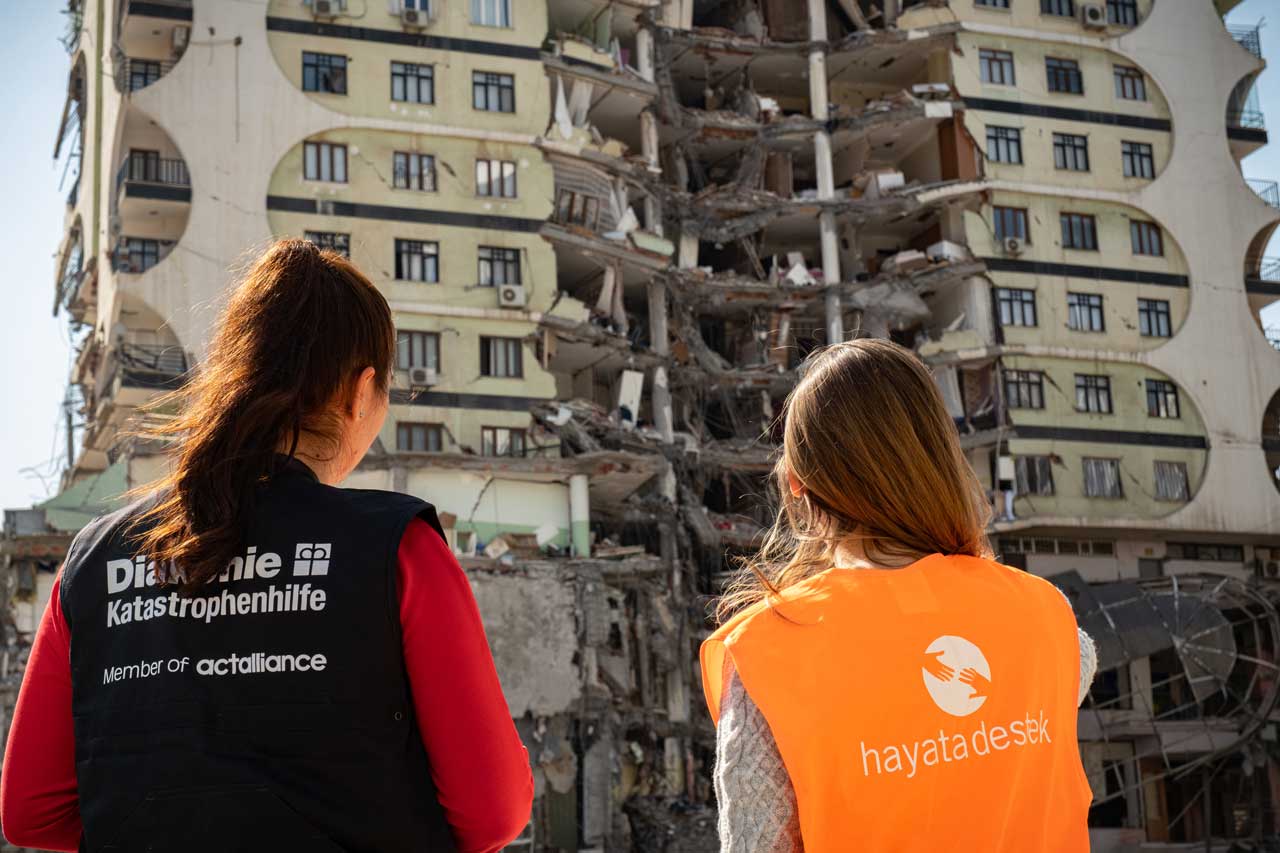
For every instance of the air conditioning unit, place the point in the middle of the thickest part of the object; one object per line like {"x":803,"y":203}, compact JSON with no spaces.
{"x":1093,"y":16}
{"x":326,"y":8}
{"x":511,"y":296}
{"x":180,"y":37}
{"x":1014,"y":245}
{"x":422,"y":377}
{"x":414,"y":18}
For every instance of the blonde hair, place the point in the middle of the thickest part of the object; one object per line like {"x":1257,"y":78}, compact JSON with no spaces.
{"x":868,"y":436}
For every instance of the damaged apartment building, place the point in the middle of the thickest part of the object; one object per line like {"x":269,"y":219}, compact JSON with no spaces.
{"x":611,"y":231}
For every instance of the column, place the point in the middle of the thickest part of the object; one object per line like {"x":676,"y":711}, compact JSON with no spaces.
{"x":580,"y":514}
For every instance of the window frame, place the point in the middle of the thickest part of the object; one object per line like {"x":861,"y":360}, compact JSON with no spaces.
{"x":499,"y":85}
{"x":1137,"y":159}
{"x":1122,"y":13}
{"x":417,"y":78}
{"x":1069,"y":151}
{"x":427,"y":343}
{"x":1094,"y":389}
{"x":1023,"y":389}
{"x":1145,"y":236}
{"x":1129,"y":78}
{"x":429,"y":431}
{"x":1079,"y":231}
{"x":1034,"y":466}
{"x":577,"y":208}
{"x":1054,"y":8}
{"x":415,"y":164}
{"x":146,"y":250}
{"x":1085,"y":312}
{"x":989,"y":59}
{"x":502,"y":8}
{"x":428,"y":253}
{"x":1063,"y":76}
{"x":506,"y":181}
{"x":324,"y":78}
{"x":514,"y":355}
{"x":1013,"y":302}
{"x":504,"y":257}
{"x":1162,"y":399}
{"x":1152,"y":315}
{"x":1160,"y":484}
{"x":1003,"y":215}
{"x":1112,"y":476}
{"x":1006,"y":141}
{"x":489,"y":441}
{"x":333,"y":241}
{"x":325,"y":155}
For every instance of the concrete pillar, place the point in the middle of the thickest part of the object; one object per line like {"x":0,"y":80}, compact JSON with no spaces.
{"x":890,"y":13}
{"x":687,"y":252}
{"x":580,"y":514}
{"x":658,"y":342}
{"x":649,"y":147}
{"x":819,"y":97}
{"x":644,"y":53}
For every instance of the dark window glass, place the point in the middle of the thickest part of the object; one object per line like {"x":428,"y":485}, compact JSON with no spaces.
{"x":417,"y":260}
{"x":419,"y":438}
{"x":324,"y":72}
{"x":1093,"y":394}
{"x":411,"y":171}
{"x":413,"y":83}
{"x":996,"y":66}
{"x":1071,"y":152}
{"x":574,"y":208}
{"x":499,"y":266}
{"x":992,"y":4}
{"x":1102,"y":478}
{"x":1016,"y":307}
{"x":1065,"y":8}
{"x":137,"y":255}
{"x":501,"y":357}
{"x":331,"y":240}
{"x":1162,"y":399}
{"x":1004,"y":144}
{"x":1035,"y":475}
{"x":324,"y":161}
{"x":1137,"y":159}
{"x":1024,"y":389}
{"x":1010,"y":222}
{"x":1122,"y":12}
{"x":1153,"y":318}
{"x":1064,"y":76}
{"x":1131,"y":84}
{"x":1146,"y":238}
{"x":495,"y":93}
{"x":142,"y":73}
{"x":1171,"y":481}
{"x":417,"y":349}
{"x":1079,"y":231}
{"x":501,"y":441}
{"x":1084,"y":312}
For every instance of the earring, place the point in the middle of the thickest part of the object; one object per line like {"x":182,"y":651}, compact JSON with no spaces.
{"x":362,"y":413}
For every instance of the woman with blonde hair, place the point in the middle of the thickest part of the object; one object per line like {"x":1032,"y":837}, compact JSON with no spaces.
{"x":878,"y":681}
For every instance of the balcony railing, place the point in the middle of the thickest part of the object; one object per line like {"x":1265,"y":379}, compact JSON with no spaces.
{"x":134,"y":74}
{"x":1266,"y":268}
{"x":1248,"y":38}
{"x":1268,"y":191}
{"x":1253,"y":119}
{"x":166,"y":171}
{"x":155,"y":359}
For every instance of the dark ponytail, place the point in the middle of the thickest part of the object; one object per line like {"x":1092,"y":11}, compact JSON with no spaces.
{"x":293,"y":338}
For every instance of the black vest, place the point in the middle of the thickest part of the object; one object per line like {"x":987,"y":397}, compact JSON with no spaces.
{"x":271,"y":712}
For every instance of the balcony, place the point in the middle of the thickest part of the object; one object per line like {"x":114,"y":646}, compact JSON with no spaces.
{"x":1268,"y":191}
{"x":1248,"y":38}
{"x":1262,"y":279}
{"x":136,"y":371}
{"x":154,"y":179}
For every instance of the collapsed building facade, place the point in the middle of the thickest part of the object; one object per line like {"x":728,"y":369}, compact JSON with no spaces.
{"x":612,"y":230}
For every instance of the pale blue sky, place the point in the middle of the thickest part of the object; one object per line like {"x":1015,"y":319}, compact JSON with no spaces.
{"x":35,"y":348}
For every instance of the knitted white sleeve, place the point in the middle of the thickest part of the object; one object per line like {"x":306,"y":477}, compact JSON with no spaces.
{"x":1088,"y":663}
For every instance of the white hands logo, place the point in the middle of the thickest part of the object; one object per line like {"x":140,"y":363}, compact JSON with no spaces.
{"x":956,"y":675}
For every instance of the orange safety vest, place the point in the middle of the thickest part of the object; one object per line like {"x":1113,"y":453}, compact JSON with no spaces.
{"x":926,"y":708}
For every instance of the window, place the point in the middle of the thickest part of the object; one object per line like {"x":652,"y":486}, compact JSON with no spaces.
{"x":1063,"y":8}
{"x":417,"y":260}
{"x":1122,"y":12}
{"x":1153,"y":318}
{"x":1064,"y":76}
{"x":1017,"y":307}
{"x":331,"y":240}
{"x":142,"y":73}
{"x":491,"y":13}
{"x":137,"y":255}
{"x":417,"y":349}
{"x":1137,"y":160}
{"x":1004,"y":144}
{"x":1079,"y":231}
{"x":1093,"y":394}
{"x":1010,"y":222}
{"x":1035,"y":475}
{"x":419,"y":438}
{"x":1146,"y":238}
{"x":501,"y":441}
{"x":501,"y":357}
{"x":992,"y":4}
{"x":574,"y":208}
{"x":1024,"y":389}
{"x":1171,"y":481}
{"x":499,"y":266}
{"x":1102,"y":478}
{"x":1202,"y":551}
{"x":324,"y":161}
{"x":496,"y":178}
{"x":1162,"y":399}
{"x":410,"y":171}
{"x":495,"y":93}
{"x":1071,"y":152}
{"x":1131,"y":84}
{"x":144,"y":165}
{"x":324,"y":72}
{"x":1084,"y":312}
{"x":413,"y":83}
{"x":996,"y":67}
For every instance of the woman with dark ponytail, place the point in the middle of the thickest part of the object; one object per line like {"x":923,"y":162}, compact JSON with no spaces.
{"x":250,"y":658}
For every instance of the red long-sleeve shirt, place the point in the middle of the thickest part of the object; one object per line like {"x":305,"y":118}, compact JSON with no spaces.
{"x":479,"y":765}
